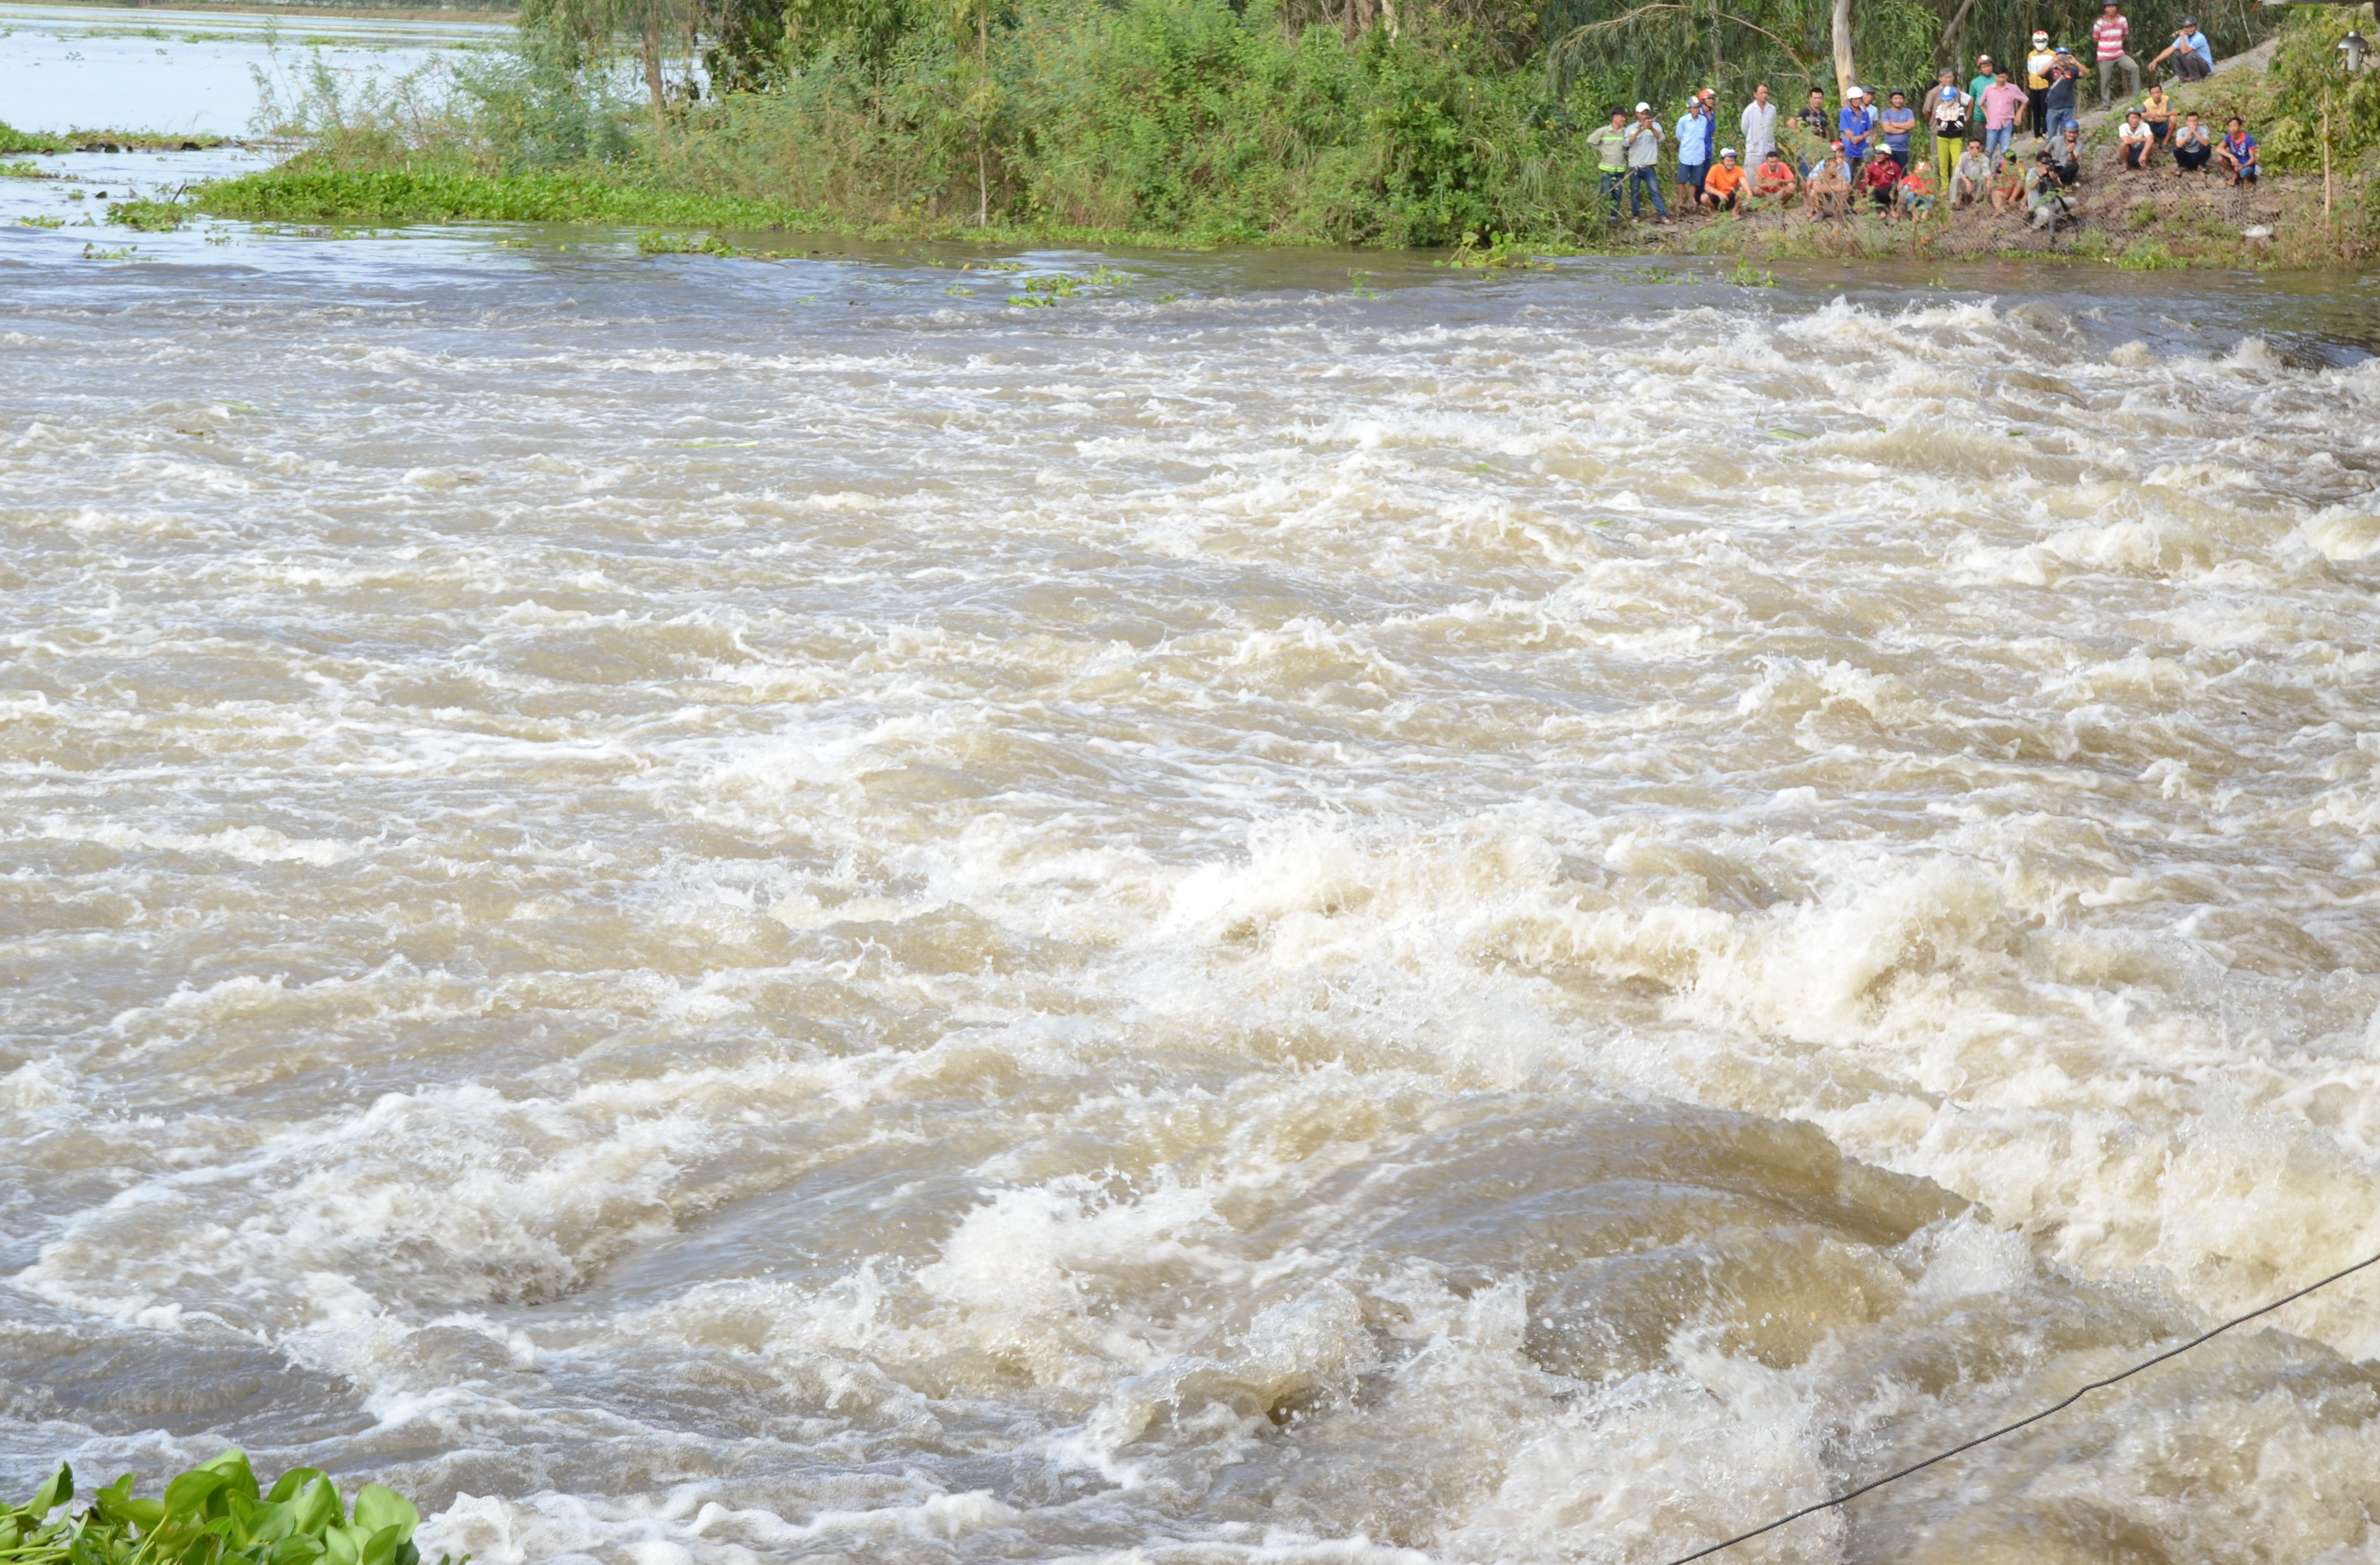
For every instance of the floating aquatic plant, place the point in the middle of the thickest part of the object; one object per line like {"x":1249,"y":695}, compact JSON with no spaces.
{"x":215,"y":1515}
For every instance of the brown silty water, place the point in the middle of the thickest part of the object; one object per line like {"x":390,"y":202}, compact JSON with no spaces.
{"x":709,"y":912}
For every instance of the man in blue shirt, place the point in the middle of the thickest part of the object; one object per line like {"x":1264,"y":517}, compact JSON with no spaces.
{"x":1857,"y":126}
{"x":1694,"y":148}
{"x":2192,"y":57}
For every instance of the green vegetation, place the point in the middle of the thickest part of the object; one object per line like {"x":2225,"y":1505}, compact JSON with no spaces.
{"x":215,"y":1515}
{"x":15,"y":141}
{"x":150,"y":217}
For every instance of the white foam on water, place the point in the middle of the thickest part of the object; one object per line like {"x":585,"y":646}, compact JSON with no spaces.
{"x":1178,"y":938}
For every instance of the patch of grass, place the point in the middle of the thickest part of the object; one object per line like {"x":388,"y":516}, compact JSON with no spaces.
{"x":215,"y":1515}
{"x":150,"y":217}
{"x":24,"y":171}
{"x":15,"y":141}
{"x":2148,"y":255}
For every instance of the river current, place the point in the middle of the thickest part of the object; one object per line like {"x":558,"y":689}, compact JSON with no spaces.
{"x":1299,"y":909}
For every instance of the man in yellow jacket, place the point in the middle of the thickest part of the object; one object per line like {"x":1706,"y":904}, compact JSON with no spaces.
{"x":2036,"y":82}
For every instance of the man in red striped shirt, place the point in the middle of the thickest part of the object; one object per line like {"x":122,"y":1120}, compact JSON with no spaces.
{"x":2111,"y":32}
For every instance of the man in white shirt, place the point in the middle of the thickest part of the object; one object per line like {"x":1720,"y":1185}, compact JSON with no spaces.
{"x":1759,"y":124}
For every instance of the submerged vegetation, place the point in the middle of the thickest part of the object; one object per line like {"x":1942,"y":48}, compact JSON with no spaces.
{"x":1389,"y":122}
{"x":215,"y":1515}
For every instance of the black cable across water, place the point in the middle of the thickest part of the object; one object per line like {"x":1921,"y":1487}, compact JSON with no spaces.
{"x":2012,"y":1428}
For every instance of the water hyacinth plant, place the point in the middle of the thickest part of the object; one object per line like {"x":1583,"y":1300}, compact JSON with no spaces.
{"x":215,"y":1515}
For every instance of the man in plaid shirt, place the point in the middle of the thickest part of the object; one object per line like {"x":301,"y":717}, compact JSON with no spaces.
{"x":2110,"y":33}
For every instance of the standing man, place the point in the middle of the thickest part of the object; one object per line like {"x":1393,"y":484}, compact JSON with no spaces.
{"x":1977,"y":85}
{"x":2063,"y":78}
{"x":2111,"y":34}
{"x":1694,"y":149}
{"x":1758,"y":122}
{"x":1948,"y":109}
{"x":2004,"y":101}
{"x":1644,"y":163}
{"x":2037,"y":67}
{"x":1611,"y":145}
{"x":1856,"y":128}
{"x":1815,"y":131}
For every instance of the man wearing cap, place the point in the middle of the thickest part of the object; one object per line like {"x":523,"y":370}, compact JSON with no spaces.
{"x":1611,"y":145}
{"x":1977,"y":85}
{"x":1721,"y":184}
{"x":2063,"y":76}
{"x":1856,"y":125}
{"x":1758,"y":123}
{"x":1644,"y":163}
{"x":2192,"y":57}
{"x":1694,"y":148}
{"x":2111,"y":36}
{"x":2037,"y":65}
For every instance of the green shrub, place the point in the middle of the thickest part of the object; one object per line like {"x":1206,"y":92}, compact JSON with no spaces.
{"x":215,"y":1515}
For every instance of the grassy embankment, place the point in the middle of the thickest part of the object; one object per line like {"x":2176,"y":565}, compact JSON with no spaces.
{"x":1189,"y":122}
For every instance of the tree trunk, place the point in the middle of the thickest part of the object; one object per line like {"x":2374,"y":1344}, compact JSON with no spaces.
{"x":1359,"y":18}
{"x":652,"y":46}
{"x":1943,"y":51}
{"x":1844,"y":75}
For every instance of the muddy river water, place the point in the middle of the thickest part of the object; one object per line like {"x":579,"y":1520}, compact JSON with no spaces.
{"x":1299,"y":909}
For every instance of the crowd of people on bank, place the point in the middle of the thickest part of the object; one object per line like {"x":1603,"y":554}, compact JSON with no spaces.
{"x":1955,"y":144}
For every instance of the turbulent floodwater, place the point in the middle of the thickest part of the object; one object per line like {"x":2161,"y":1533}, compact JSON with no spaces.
{"x":709,"y":911}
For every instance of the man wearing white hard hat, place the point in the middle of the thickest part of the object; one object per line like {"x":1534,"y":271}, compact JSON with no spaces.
{"x":1855,"y":127}
{"x":2037,"y":64}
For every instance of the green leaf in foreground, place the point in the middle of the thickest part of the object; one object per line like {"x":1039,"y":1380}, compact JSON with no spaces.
{"x":215,"y":1515}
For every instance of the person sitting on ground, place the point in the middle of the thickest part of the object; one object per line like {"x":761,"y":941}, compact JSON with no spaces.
{"x":2065,"y":156}
{"x":2193,"y":147}
{"x":1896,"y":126}
{"x":1949,"y":109}
{"x":2046,"y":198}
{"x":2237,"y":152}
{"x":1878,"y":178}
{"x":2007,"y":183}
{"x":1723,"y":183}
{"x":2193,"y":56}
{"x":1772,"y":183}
{"x":2156,"y":112}
{"x":2134,"y":142}
{"x":1915,"y":191}
{"x":1970,"y":175}
{"x":1830,"y":184}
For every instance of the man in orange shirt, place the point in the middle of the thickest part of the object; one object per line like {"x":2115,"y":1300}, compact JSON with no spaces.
{"x":1722,"y":184}
{"x":1772,"y":182}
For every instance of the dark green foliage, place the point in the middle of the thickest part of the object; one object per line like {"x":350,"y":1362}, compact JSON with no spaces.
{"x":214,"y":1514}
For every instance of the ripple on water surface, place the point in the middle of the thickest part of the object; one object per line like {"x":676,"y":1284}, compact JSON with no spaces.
{"x":706,"y":910}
